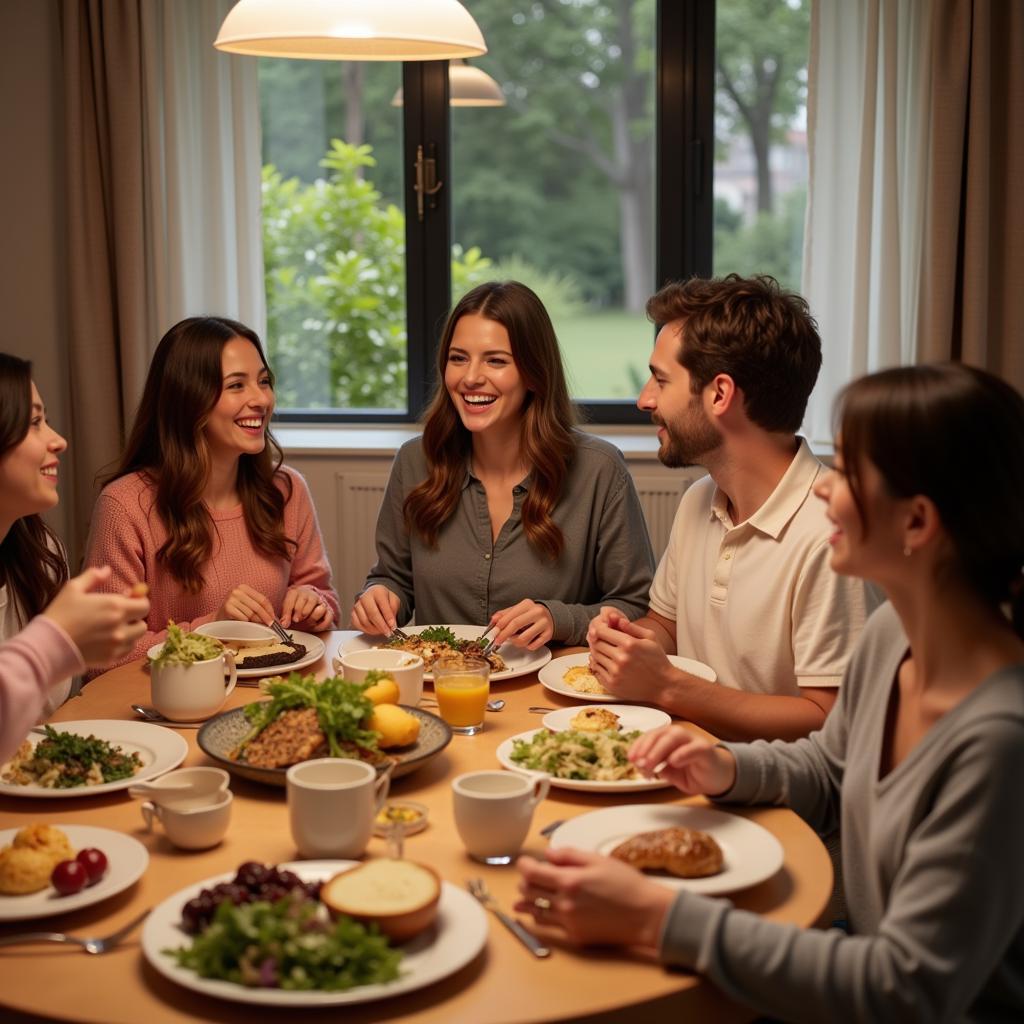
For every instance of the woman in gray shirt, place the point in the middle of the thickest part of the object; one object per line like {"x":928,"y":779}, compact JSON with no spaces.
{"x":920,"y":761}
{"x":502,"y":513}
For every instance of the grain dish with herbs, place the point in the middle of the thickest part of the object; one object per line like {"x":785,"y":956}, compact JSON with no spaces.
{"x":64,"y":760}
{"x":439,"y":643}
{"x":585,"y":756}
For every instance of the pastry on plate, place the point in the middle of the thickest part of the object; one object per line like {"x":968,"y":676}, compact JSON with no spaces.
{"x":582,"y":680}
{"x":684,"y":852}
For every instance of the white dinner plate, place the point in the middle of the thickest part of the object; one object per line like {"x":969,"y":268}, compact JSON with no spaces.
{"x":551,"y":675}
{"x":159,"y":749}
{"x":631,"y":716}
{"x":314,"y":652}
{"x":458,"y":936}
{"x":126,"y":861}
{"x":504,"y":755}
{"x":519,"y":660}
{"x":751,"y":853}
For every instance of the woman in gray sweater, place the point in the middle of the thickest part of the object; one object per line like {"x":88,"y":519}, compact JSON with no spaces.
{"x":920,"y":761}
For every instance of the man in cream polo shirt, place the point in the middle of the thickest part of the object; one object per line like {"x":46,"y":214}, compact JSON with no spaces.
{"x":744,"y":584}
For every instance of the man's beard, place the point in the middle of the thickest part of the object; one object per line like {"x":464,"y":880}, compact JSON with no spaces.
{"x":688,"y":441}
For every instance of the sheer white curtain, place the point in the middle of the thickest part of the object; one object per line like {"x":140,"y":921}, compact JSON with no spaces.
{"x":913,"y":242}
{"x":162,"y":165}
{"x":869,"y":125}
{"x":203,"y":160}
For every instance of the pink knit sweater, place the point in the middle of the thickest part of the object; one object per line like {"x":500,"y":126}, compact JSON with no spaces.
{"x":127,"y":533}
{"x":30,"y":663}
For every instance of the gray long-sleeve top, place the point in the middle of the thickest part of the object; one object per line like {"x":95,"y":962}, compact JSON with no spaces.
{"x":607,"y":557}
{"x":933,"y":861}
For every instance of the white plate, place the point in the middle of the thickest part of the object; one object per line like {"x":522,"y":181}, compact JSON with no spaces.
{"x":551,"y":675}
{"x":126,"y":861}
{"x":631,"y":716}
{"x":520,"y":661}
{"x":314,"y":652}
{"x":160,"y":750}
{"x":459,"y":935}
{"x":751,"y":853}
{"x":504,"y":755}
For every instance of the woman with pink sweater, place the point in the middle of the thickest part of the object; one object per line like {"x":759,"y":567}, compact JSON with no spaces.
{"x":50,"y":629}
{"x":200,"y":506}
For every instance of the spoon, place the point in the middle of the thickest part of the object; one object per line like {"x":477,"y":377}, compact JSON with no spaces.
{"x":149,"y":714}
{"x":492,"y":705}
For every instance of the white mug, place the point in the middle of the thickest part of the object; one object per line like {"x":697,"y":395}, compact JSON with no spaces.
{"x":192,"y":828}
{"x":331,"y":806}
{"x":192,"y":692}
{"x":493,"y":811}
{"x":406,"y":669}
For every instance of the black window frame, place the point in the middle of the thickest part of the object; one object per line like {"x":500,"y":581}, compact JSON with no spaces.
{"x":685,"y":104}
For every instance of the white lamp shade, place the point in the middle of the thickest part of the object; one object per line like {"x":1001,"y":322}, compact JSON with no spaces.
{"x":351,"y":30}
{"x":467,"y":87}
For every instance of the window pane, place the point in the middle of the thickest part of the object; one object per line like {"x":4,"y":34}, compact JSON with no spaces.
{"x":761,"y":137}
{"x":556,"y":189}
{"x":334,"y":233}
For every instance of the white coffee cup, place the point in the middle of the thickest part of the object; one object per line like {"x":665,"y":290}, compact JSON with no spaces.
{"x":192,"y":828}
{"x":406,"y":669}
{"x":331,"y":806}
{"x":194,"y":691}
{"x":493,"y":811}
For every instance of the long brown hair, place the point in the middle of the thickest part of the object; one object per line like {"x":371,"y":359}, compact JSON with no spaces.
{"x":33,"y":565}
{"x":168,"y":444}
{"x":949,"y":432}
{"x":546,"y":440}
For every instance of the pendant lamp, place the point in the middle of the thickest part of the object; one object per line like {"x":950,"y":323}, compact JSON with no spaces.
{"x":468,"y":86}
{"x":351,"y":30}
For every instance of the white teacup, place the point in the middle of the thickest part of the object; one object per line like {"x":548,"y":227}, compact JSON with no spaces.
{"x":185,"y":788}
{"x":493,"y":811}
{"x":192,"y":828}
{"x":331,"y":806}
{"x":192,"y":692}
{"x":406,"y":669}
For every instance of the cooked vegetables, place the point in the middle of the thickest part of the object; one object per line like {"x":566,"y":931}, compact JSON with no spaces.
{"x":181,"y":648}
{"x":63,"y":760}
{"x":588,"y":756}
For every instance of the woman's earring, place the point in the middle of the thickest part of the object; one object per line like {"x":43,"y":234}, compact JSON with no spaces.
{"x":906,"y":551}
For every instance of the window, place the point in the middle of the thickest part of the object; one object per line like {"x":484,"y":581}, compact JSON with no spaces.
{"x":614,"y":166}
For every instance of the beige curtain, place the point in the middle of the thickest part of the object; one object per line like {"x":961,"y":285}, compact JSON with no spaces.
{"x":972,"y":299}
{"x":163,"y":204}
{"x":912,"y":249}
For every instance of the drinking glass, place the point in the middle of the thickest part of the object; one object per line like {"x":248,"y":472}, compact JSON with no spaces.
{"x":462,"y":687}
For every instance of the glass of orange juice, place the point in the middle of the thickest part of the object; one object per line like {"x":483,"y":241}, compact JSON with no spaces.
{"x":462,"y":687}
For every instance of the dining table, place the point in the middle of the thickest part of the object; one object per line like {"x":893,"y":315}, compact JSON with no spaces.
{"x":504,"y":984}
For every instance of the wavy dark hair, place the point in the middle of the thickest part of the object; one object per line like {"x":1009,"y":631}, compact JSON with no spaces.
{"x":748,"y":327}
{"x":949,"y":432}
{"x":546,"y":438}
{"x":33,"y":564}
{"x":168,"y":445}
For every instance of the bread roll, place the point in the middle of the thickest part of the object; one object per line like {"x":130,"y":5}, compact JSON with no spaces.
{"x":398,"y":896}
{"x":397,"y":727}
{"x":684,"y":852}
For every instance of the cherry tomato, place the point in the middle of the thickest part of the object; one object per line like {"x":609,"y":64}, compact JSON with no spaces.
{"x":95,"y":863}
{"x":68,"y":877}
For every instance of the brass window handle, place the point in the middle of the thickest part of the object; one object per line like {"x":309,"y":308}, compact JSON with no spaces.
{"x":426,"y":180}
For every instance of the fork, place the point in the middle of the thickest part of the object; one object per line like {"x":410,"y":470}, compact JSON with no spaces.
{"x":91,"y":944}
{"x":282,"y":634}
{"x":398,"y":634}
{"x":478,"y":889}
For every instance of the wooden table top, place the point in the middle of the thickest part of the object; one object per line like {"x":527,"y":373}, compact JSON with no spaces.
{"x":501,"y":986}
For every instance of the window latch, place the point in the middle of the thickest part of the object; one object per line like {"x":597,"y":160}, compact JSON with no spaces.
{"x":426,"y":180}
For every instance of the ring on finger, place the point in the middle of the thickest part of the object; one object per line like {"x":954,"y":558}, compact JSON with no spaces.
{"x":542,"y":904}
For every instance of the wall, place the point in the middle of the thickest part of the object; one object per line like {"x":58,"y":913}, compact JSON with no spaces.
{"x":31,"y":202}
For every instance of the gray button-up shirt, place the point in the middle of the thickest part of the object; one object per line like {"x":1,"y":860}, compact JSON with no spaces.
{"x":467,"y":577}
